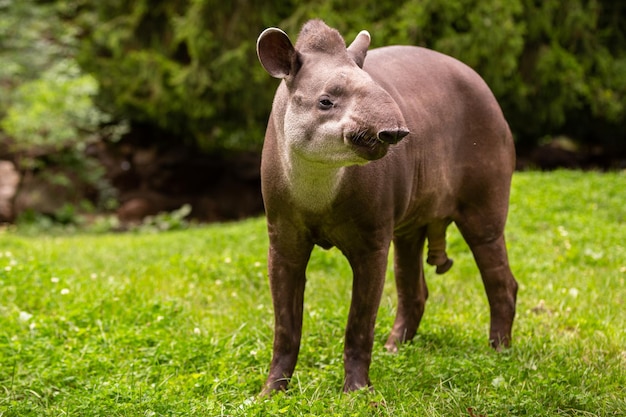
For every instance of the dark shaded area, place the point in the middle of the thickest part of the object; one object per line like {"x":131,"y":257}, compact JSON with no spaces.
{"x":226,"y":186}
{"x":156,"y":176}
{"x":563,"y":153}
{"x":151,"y":176}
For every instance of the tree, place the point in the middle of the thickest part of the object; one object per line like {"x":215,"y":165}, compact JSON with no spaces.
{"x":189,"y":67}
{"x":47,"y":113}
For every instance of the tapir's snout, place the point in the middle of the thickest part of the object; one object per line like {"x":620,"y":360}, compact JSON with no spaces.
{"x":392,"y":136}
{"x":370,"y":145}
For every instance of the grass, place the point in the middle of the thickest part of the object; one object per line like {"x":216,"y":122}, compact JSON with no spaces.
{"x":180,"y":323}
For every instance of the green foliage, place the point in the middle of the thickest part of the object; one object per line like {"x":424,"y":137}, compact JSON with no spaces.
{"x":71,"y":219}
{"x":190,"y":68}
{"x":55,"y":110}
{"x":174,"y":220}
{"x":47,"y":112}
{"x":31,"y":39}
{"x":572,"y":65}
{"x":46,"y":102}
{"x":548,"y":63}
{"x":180,"y":323}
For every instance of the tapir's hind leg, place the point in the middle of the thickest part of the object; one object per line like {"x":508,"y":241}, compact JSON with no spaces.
{"x":485,"y":237}
{"x":411,"y":286}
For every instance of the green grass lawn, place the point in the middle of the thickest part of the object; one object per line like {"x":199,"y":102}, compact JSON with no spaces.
{"x":180,"y":323}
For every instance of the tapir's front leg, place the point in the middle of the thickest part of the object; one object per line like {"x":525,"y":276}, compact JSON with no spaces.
{"x":286,"y":269}
{"x":367,"y":286}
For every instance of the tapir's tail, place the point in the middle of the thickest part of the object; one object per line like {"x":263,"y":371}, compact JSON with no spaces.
{"x":437,"y":256}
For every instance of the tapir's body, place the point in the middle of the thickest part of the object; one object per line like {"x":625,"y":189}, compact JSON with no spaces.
{"x":357,"y":158}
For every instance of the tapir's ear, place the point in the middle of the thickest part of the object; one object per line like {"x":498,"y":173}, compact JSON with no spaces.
{"x":358,"y":48}
{"x":276,"y":53}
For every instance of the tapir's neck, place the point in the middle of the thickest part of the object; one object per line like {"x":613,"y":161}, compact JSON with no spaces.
{"x":312,"y":185}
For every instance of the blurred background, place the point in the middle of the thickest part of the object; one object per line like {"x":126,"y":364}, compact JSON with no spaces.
{"x":129,"y":109}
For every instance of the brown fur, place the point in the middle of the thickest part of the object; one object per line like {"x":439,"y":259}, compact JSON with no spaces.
{"x":315,"y":36}
{"x":360,"y":152}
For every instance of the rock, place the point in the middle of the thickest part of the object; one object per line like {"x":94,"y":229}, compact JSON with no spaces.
{"x":9,"y":181}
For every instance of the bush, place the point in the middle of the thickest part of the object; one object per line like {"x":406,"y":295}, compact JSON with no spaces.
{"x":190,"y":67}
{"x":55,"y":110}
{"x":556,"y":67}
{"x":187,"y":67}
{"x":47,"y":113}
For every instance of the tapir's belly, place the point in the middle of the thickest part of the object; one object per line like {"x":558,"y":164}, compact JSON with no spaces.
{"x":374,"y":221}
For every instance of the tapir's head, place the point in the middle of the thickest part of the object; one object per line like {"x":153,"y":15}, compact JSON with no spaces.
{"x":332,"y":111}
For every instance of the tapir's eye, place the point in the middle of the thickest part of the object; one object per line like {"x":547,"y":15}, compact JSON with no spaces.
{"x":325,"y":103}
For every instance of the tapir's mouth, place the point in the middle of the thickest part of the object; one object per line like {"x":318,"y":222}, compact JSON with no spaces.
{"x":367,"y":145}
{"x":370,"y":145}
{"x":364,"y":139}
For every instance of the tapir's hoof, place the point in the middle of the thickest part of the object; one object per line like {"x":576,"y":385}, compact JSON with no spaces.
{"x":444,"y":267}
{"x":274,"y":387}
{"x":357,"y":386}
{"x":392,"y":346}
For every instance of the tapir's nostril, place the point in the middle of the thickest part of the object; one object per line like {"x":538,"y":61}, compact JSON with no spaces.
{"x":392,"y":136}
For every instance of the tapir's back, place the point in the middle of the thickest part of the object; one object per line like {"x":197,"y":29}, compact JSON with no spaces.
{"x":454,"y":118}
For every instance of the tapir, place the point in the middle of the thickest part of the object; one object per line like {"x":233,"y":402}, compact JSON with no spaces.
{"x":365,"y":148}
